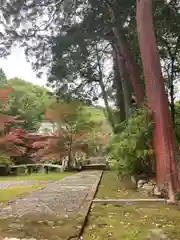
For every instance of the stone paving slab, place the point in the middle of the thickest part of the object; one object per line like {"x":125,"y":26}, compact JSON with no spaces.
{"x":68,"y":200}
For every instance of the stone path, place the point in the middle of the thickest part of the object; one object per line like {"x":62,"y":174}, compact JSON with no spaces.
{"x":62,"y":205}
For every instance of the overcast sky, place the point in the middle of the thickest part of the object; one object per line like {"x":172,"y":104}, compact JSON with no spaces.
{"x":16,"y":65}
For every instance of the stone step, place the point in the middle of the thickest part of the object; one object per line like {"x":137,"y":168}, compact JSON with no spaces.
{"x":95,"y":166}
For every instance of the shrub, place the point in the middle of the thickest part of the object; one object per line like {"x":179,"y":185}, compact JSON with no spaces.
{"x":4,"y":159}
{"x":130,"y":147}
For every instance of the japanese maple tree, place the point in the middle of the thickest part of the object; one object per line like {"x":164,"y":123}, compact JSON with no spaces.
{"x":11,"y":140}
{"x":71,"y":135}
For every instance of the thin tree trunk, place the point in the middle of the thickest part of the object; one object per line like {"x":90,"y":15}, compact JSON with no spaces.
{"x":126,"y":86}
{"x":118,"y":88}
{"x":70,"y":153}
{"x":173,"y":56}
{"x":164,"y":137}
{"x":172,"y":105}
{"x":104,"y":94}
{"x":131,"y":66}
{"x":108,"y":109}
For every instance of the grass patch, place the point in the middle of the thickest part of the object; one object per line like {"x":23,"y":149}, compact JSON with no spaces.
{"x":38,"y":176}
{"x":112,"y":187}
{"x":23,"y":190}
{"x":18,"y":191}
{"x":131,"y":221}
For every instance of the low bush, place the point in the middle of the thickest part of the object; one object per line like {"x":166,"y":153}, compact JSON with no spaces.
{"x":129,"y":149}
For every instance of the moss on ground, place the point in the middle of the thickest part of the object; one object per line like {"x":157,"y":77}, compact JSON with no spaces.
{"x":130,"y":221}
{"x":38,"y":177}
{"x":14,"y":192}
{"x":42,"y":227}
{"x":18,"y":191}
{"x":112,"y":187}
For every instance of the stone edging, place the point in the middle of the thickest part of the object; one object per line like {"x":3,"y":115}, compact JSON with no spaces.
{"x":126,"y":201}
{"x":85,"y":208}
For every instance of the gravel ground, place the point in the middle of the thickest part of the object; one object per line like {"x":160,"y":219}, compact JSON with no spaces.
{"x":59,"y":198}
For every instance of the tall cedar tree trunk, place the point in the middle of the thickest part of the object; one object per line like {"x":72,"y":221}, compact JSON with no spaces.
{"x":131,"y":65}
{"x":164,"y":137}
{"x":125,"y":82}
{"x":119,"y":91}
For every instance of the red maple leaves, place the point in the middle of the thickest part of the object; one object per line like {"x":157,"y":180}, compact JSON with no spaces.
{"x":4,"y":93}
{"x":14,"y":143}
{"x":12,"y":140}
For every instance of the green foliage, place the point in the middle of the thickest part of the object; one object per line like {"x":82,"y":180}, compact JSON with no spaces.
{"x":130,"y":145}
{"x":71,"y":115}
{"x":3,"y":79}
{"x":177,"y":121}
{"x":4,"y":159}
{"x":28,"y":101}
{"x":97,"y":114}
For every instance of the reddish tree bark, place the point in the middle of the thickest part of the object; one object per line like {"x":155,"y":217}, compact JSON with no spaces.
{"x":131,"y":65}
{"x":164,"y":137}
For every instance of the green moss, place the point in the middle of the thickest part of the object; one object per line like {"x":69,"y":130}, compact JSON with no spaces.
{"x":41,"y":227}
{"x":39,"y":177}
{"x":22,"y":190}
{"x":130,"y":221}
{"x":17,"y":191}
{"x":112,"y":187}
